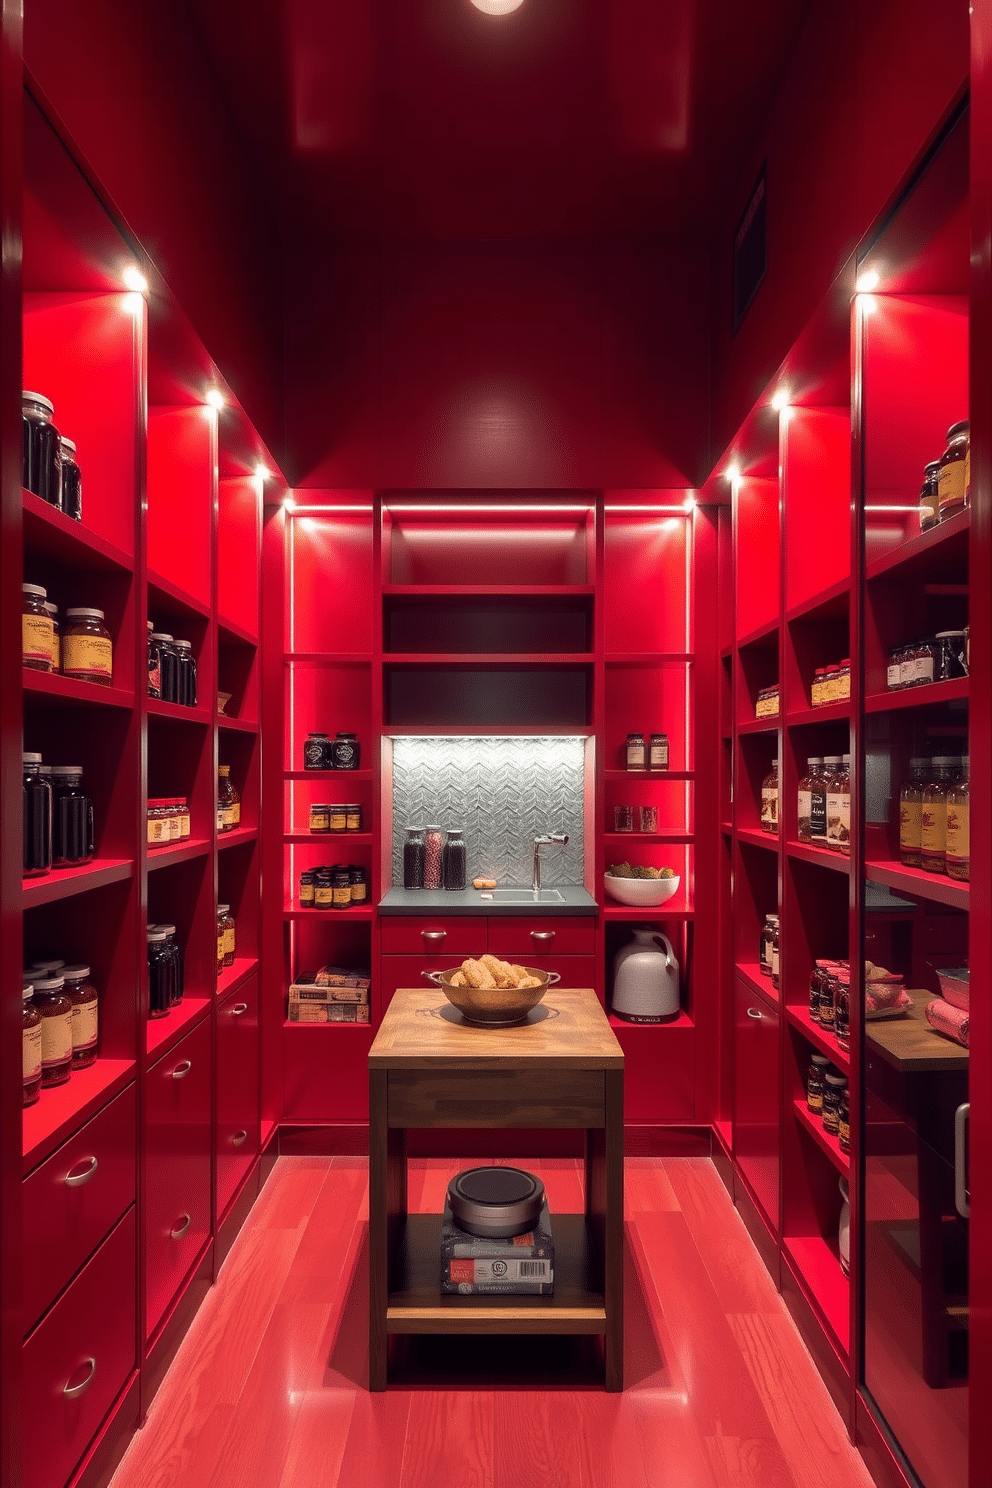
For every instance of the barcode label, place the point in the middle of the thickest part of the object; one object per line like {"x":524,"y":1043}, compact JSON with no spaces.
{"x":533,"y":1270}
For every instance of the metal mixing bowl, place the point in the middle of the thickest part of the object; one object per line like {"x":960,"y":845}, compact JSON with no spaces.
{"x":493,"y":1007}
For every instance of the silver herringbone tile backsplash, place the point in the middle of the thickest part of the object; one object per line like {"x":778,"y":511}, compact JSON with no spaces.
{"x":503,"y":792}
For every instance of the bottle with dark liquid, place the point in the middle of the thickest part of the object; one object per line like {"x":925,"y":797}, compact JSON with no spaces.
{"x":37,"y":818}
{"x":72,"y":817}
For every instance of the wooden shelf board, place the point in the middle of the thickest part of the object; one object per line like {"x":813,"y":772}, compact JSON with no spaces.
{"x":416,"y":1305}
{"x":911,"y":1046}
{"x":931,"y":695}
{"x":49,"y":531}
{"x":236,"y":725}
{"x":674,"y":909}
{"x":177,"y":595}
{"x":828,"y":713}
{"x":919,"y":884}
{"x":161,"y":1033}
{"x":652,"y":775}
{"x":236,"y":838}
{"x":177,"y":852}
{"x":327,"y":776}
{"x":175,"y":711}
{"x":805,"y":852}
{"x":751,"y":974}
{"x":51,"y":687}
{"x":230,"y":630}
{"x":799,"y":1017}
{"x":757,"y":838}
{"x":817,"y":1267}
{"x":63,"y":1110}
{"x":827,"y":1143}
{"x":944,"y":540}
{"x":487,"y":591}
{"x":357,"y":839}
{"x":831,"y":602}
{"x":353,"y":912}
{"x":233,"y":976}
{"x":62,"y":883}
{"x":625,"y":1025}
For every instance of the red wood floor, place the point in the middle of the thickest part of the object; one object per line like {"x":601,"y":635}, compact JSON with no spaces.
{"x":267,"y":1389}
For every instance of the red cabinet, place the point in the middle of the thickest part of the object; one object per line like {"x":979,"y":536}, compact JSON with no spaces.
{"x":74,"y":1198}
{"x":237,"y":1089}
{"x":429,"y":935}
{"x":756,"y":1096}
{"x":177,"y":1183}
{"x":407,"y":971}
{"x":518,"y":937}
{"x":78,"y":1360}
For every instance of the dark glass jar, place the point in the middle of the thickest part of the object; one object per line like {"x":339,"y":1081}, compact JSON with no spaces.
{"x":776,"y":977}
{"x":834,"y":1086}
{"x":827,"y":999}
{"x":307,"y":888}
{"x":317,"y":752}
{"x":72,"y":483}
{"x":359,"y":884}
{"x":154,"y":666}
{"x":354,"y":817}
{"x":36,"y":629}
{"x":87,"y":649}
{"x":844,"y":1121}
{"x":85,"y":1015}
{"x":228,"y":929}
{"x":842,"y":1008}
{"x":346,"y":752}
{"x":159,"y":973}
{"x":341,"y":887}
{"x":337,"y":818}
{"x":955,"y":464}
{"x":31,"y":1047}
{"x":323,"y":889}
{"x":72,"y":818}
{"x":41,"y":455}
{"x":454,"y":860}
{"x":319,"y":820}
{"x":951,"y":662}
{"x":186,"y":674}
{"x":56,"y":1030}
{"x":413,"y":858}
{"x":658,"y":752}
{"x":930,"y":496}
{"x":636,"y":752}
{"x":168,"y":666}
{"x":818,"y":1066}
{"x":37,"y":818}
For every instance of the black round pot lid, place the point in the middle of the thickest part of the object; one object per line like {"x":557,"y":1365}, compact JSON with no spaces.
{"x":496,"y":1185}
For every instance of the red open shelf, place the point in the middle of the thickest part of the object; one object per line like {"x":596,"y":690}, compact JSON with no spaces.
{"x":757,"y":838}
{"x":619,"y":837}
{"x":51,"y":532}
{"x":824,"y":1139}
{"x":829,"y":713}
{"x":805,"y":852}
{"x":919,"y":884}
{"x":63,"y":1109}
{"x":353,"y":912}
{"x":649,"y":658}
{"x":60,"y":883}
{"x":929,"y":696}
{"x":158,"y":709}
{"x":328,"y":776}
{"x":651,"y":775}
{"x":327,"y":658}
{"x":485,"y":591}
{"x":161,"y":1033}
{"x":486,"y":658}
{"x":821,"y":603}
{"x":229,"y":631}
{"x":68,"y":690}
{"x":759,"y":725}
{"x":237,"y":725}
{"x":177,"y":852}
{"x":233,"y":976}
{"x":179,"y":598}
{"x":799,"y":1017}
{"x":817,"y":1267}
{"x":750,"y":972}
{"x":237,"y":837}
{"x":314,"y":839}
{"x":675,"y":909}
{"x":947,"y":542}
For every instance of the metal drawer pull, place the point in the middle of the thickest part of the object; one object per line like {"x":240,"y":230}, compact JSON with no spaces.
{"x":238,"y":1138}
{"x":238,"y":1009}
{"x":542,"y":935}
{"x":182,"y":1070}
{"x":71,"y":1391}
{"x":76,"y":1180}
{"x":756,"y":1014}
{"x":434,"y":937}
{"x":962,"y":1202}
{"x":185,"y":1220}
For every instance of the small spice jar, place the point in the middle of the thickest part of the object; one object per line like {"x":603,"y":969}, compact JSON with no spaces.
{"x":56,"y":636}
{"x":87,"y":650}
{"x":831,"y":681}
{"x":307,"y":888}
{"x":893,"y":669}
{"x":227,"y":934}
{"x":658,"y":752}
{"x":72,"y":484}
{"x":769,"y":800}
{"x":767,"y":703}
{"x":353,"y":813}
{"x":834,"y":1086}
{"x":85,"y":1015}
{"x":346,"y":752}
{"x":159,"y":829}
{"x":337,"y":817}
{"x":818,"y":1066}
{"x":323,"y":889}
{"x":56,"y":1030}
{"x":635,"y":752}
{"x":182,"y":814}
{"x":341,"y":887}
{"x":31,"y":1047}
{"x":955,"y":468}
{"x":930,"y":496}
{"x":317,"y":752}
{"x":41,"y":457}
{"x":648,"y":818}
{"x":320,"y":817}
{"x":36,"y":629}
{"x":907,"y":664}
{"x":925,"y":657}
{"x":359,"y":884}
{"x":623,"y":818}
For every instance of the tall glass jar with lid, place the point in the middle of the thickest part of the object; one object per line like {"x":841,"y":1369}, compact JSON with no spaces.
{"x":958,"y":840}
{"x":769,"y":800}
{"x":911,"y":813}
{"x":933,"y":829}
{"x":804,"y":826}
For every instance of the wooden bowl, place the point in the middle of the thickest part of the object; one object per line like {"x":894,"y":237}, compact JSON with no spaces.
{"x":493,"y":1007}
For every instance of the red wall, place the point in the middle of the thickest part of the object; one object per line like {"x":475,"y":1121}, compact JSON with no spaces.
{"x":494,"y":366}
{"x":868,"y":83}
{"x":129,"y":80}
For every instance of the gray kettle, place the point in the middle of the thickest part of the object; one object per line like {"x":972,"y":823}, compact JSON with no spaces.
{"x":646,"y":978}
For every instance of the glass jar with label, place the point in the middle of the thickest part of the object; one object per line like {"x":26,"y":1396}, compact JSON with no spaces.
{"x":353,"y":813}
{"x":830,"y":683}
{"x":958,"y":839}
{"x":36,"y":629}
{"x":41,"y":457}
{"x":844,"y":680}
{"x":228,"y":801}
{"x":839,"y":808}
{"x":842,"y":1008}
{"x":818,"y":803}
{"x":775,"y":951}
{"x":658,"y":753}
{"x":844,"y":1121}
{"x":648,"y":818}
{"x":346,"y":752}
{"x":317,"y":752}
{"x":933,"y":803}
{"x":159,"y":831}
{"x":817,"y":976}
{"x":818,"y":1066}
{"x":925,"y":658}
{"x":828,"y":997}
{"x":168,"y":666}
{"x":154,"y":667}
{"x":816,"y":690}
{"x":182,"y":809}
{"x":37,"y":824}
{"x":413,"y":858}
{"x":56,"y":636}
{"x":226,"y":936}
{"x":765,"y":946}
{"x":359,"y":884}
{"x":320,"y":817}
{"x":341,"y":887}
{"x":87,"y":650}
{"x":623,"y":818}
{"x":433,"y":843}
{"x":307,"y":888}
{"x":911,"y":813}
{"x":56,"y":1030}
{"x":72,"y":818}
{"x":951,"y":663}
{"x":955,"y":464}
{"x":337,"y":818}
{"x":186,"y":674}
{"x":177,"y":976}
{"x":30,"y":1048}
{"x":71,"y":494}
{"x":804,"y":828}
{"x":323,"y":889}
{"x":85,"y":1015}
{"x":769,"y":800}
{"x":930,"y":496}
{"x":636,"y":752}
{"x":893,"y":669}
{"x":834,"y":1085}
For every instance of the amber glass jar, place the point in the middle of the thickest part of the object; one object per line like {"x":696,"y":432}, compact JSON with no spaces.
{"x":359,"y":884}
{"x":930,"y":496}
{"x":804,"y":819}
{"x":955,"y":465}
{"x":834,"y":1086}
{"x":341,"y":887}
{"x":323,"y":889}
{"x":816,"y":690}
{"x":31,"y":1047}
{"x":36,"y":629}
{"x":636,"y":752}
{"x":911,"y":814}
{"x":933,"y":829}
{"x":320,"y":818}
{"x":228,"y":801}
{"x":842,"y":1008}
{"x":85,"y":1015}
{"x":769,"y":800}
{"x":818,"y":1066}
{"x":337,"y":818}
{"x":354,"y":816}
{"x":227,"y":932}
{"x":87,"y":650}
{"x":56,"y":1030}
{"x":958,"y":841}
{"x":839,"y":809}
{"x":307,"y":888}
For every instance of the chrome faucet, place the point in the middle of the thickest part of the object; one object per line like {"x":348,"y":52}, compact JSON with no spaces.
{"x":539,"y":842}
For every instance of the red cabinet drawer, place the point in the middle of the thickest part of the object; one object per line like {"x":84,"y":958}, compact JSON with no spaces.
{"x":756,"y":1096}
{"x":177,"y":1191}
{"x":433,"y":935}
{"x":74,"y":1199}
{"x":237,"y":1089}
{"x":575,"y":971}
{"x":519,"y":936}
{"x":77,"y":1361}
{"x":406,"y":971}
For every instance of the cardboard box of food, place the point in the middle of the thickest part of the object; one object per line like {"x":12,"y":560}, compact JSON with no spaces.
{"x":328,"y":1012}
{"x":324,"y":996}
{"x":522,"y":1266}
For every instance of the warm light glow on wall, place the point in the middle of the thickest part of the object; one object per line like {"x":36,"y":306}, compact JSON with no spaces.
{"x":497,"y":7}
{"x":867,"y":281}
{"x":780,"y":400}
{"x":134,"y":279}
{"x":262,"y":472}
{"x":215,"y":398}
{"x":733,"y":472}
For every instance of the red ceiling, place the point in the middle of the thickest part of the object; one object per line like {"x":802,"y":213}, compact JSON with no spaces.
{"x":428,"y":119}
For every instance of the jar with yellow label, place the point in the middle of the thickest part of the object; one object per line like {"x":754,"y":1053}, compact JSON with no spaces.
{"x":182,"y":805}
{"x":359,"y":884}
{"x":354,"y":817}
{"x":159,"y":828}
{"x":227,"y":936}
{"x":341,"y":890}
{"x":56,"y":636}
{"x":87,"y":650}
{"x":320,"y":817}
{"x":338,"y":818}
{"x":56,"y":1030}
{"x":228,"y":801}
{"x":37,"y":640}
{"x":911,"y":814}
{"x":85,"y":1015}
{"x":933,"y":831}
{"x":930,"y":496}
{"x":958,"y":842}
{"x":323,"y":889}
{"x":30,"y":1047}
{"x":955,"y":470}
{"x":307,"y":900}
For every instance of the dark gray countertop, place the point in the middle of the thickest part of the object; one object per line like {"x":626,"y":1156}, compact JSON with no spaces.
{"x":577,"y":901}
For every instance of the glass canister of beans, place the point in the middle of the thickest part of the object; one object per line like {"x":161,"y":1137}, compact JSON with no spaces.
{"x":82,"y":994}
{"x":72,"y":483}
{"x":56,"y":1030}
{"x":31,"y":1047}
{"x":953,"y":482}
{"x":37,"y":632}
{"x":87,"y":650}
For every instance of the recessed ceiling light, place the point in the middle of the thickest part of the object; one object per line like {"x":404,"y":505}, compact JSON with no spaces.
{"x":262,"y":472}
{"x":733,"y":472}
{"x":215,"y":398}
{"x":867,"y":281}
{"x":780,"y":400}
{"x":497,"y":7}
{"x":135,"y":280}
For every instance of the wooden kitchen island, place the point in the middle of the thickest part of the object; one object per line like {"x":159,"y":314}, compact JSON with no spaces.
{"x":428,"y":1068}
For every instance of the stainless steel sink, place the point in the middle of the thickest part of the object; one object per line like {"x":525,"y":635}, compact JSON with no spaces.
{"x":526,"y":896}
